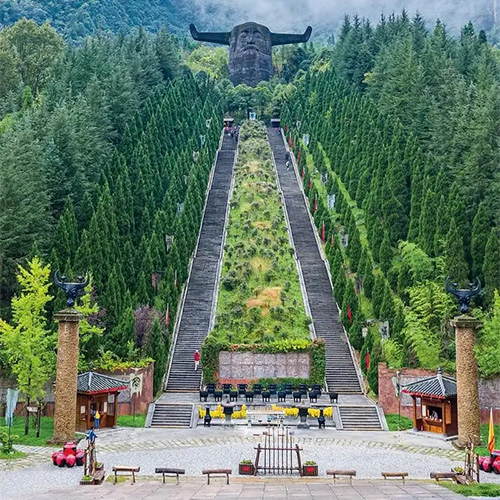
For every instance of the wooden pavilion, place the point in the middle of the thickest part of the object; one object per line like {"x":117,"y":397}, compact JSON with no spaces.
{"x":97,"y":392}
{"x":434,"y":404}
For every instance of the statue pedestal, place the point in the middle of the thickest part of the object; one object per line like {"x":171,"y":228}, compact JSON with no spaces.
{"x":467,"y":380}
{"x":66,"y":376}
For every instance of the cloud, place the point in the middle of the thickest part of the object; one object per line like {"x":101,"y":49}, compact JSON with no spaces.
{"x":327,"y":14}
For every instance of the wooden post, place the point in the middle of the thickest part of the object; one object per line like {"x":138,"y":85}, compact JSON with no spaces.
{"x":467,"y":380}
{"x":66,"y":375}
{"x":414,"y":401}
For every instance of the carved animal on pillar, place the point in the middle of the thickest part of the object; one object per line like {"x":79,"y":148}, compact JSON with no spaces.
{"x":250,"y":49}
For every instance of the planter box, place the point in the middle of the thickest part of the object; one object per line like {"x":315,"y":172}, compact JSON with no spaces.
{"x":87,"y":481}
{"x":309,"y":470}
{"x":246,"y":469}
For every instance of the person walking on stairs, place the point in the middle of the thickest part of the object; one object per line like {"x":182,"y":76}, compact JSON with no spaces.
{"x":196,"y":359}
{"x":287,"y":161}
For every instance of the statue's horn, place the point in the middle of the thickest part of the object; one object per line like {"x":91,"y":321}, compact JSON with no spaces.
{"x":285,"y":38}
{"x":57,"y":281}
{"x":220,"y":38}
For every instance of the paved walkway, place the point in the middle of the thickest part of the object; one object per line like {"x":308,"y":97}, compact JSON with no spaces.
{"x":193,"y":489}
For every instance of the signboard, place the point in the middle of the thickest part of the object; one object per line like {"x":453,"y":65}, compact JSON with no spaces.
{"x":252,"y":115}
{"x":136,"y":383}
{"x":305,"y":139}
{"x":383,"y":329}
{"x":331,"y":198}
{"x":208,"y":122}
{"x":196,"y":155}
{"x":12,"y":396}
{"x":202,"y":140}
{"x":298,"y":125}
{"x":345,"y":240}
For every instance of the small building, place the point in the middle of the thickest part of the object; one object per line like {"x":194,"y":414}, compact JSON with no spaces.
{"x":228,"y":122}
{"x":275,"y":122}
{"x":97,"y":393}
{"x":434,"y":404}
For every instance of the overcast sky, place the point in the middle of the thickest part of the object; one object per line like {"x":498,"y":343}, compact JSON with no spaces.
{"x":287,"y":14}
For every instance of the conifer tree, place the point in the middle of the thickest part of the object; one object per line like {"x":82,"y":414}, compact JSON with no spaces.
{"x":385,"y":254}
{"x":491,"y":266}
{"x":480,"y":234}
{"x":455,"y":264}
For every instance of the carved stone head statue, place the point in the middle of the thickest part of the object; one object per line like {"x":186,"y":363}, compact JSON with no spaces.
{"x":250,"y":50}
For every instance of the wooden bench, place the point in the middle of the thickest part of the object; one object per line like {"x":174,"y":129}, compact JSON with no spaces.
{"x":338,"y":472}
{"x":165,"y":471}
{"x":125,"y":468}
{"x":217,"y":473}
{"x":444,"y":475}
{"x":401,"y":475}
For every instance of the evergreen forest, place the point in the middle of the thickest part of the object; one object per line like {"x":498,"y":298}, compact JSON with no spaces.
{"x":106,"y":149}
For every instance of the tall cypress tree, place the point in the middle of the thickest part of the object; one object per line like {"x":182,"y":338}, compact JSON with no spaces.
{"x":480,"y":234}
{"x":455,"y":264}
{"x":491,"y":266}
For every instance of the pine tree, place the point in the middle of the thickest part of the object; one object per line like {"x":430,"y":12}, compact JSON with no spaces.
{"x":455,"y":264}
{"x":491,"y":266}
{"x":480,"y":234}
{"x":354,"y":250}
{"x":378,"y":294}
{"x":157,"y":349}
{"x":385,"y":254}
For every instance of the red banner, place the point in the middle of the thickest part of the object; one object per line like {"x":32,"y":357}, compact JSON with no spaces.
{"x":367,"y":360}
{"x":323,"y":235}
{"x":349,"y":313}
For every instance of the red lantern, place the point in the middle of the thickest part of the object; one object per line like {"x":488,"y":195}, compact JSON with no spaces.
{"x":54,"y":457}
{"x":70,"y":461}
{"x":69,"y":449}
{"x":60,"y":459}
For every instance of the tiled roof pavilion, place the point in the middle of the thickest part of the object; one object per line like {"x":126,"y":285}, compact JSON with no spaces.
{"x":439,"y":386}
{"x":96,"y":383}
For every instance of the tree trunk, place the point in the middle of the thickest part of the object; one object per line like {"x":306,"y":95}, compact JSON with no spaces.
{"x":27,"y":420}
{"x":38,"y":419}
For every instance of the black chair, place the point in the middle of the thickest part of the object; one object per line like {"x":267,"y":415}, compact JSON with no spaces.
{"x":288,"y":389}
{"x":281,"y":396}
{"x":226,"y":388}
{"x":266,"y":396}
{"x":208,"y":418}
{"x":249,"y":396}
{"x":317,"y":388}
{"x":210,"y":388}
{"x":203,"y":396}
{"x":218,"y":395}
{"x":233,"y":395}
{"x":257,"y":389}
{"x":303,"y":389}
{"x":242,"y":389}
{"x":313,"y":396}
{"x":273,"y":389}
{"x":334,"y":397}
{"x":297,"y":397}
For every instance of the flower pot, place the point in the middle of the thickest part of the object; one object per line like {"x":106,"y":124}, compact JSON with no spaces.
{"x":309,"y":470}
{"x":87,"y":481}
{"x":246,"y":469}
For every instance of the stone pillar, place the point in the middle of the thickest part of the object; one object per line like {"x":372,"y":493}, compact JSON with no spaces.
{"x":66,"y":375}
{"x":467,"y":380}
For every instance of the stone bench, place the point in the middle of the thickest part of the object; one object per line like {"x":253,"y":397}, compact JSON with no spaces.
{"x":166,"y":471}
{"x":127,"y":469}
{"x":444,"y":475}
{"x":217,"y":473}
{"x":401,"y":475}
{"x":339,"y":472}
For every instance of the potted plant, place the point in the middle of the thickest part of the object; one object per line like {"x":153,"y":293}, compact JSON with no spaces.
{"x":310,"y":468}
{"x":99,"y":466}
{"x":246,"y":468}
{"x":87,"y":480}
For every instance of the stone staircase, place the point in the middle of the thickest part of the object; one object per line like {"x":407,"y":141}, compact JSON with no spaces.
{"x":197,"y":307}
{"x":341,"y":374}
{"x":172,"y":415}
{"x":359,"y":418}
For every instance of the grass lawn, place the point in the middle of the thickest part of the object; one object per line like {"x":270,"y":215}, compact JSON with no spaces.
{"x":483,"y":450}
{"x":46,"y":431}
{"x":13,"y":455}
{"x":392,"y":422}
{"x":130,"y":421}
{"x":473,"y":490}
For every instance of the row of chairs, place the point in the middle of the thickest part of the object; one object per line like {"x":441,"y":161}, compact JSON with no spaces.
{"x":266,"y":393}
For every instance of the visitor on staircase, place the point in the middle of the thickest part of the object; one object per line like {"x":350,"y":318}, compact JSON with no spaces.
{"x":196,"y":359}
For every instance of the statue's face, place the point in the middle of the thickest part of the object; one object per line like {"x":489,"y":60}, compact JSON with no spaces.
{"x":250,"y":59}
{"x":250,"y":37}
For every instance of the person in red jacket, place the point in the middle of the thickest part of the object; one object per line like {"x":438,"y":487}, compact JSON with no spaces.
{"x":197,"y":357}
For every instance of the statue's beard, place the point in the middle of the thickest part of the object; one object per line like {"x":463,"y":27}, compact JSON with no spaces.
{"x":250,"y":66}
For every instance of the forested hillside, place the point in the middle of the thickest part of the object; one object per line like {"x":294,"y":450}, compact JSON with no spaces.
{"x":404,"y":132}
{"x":104,"y":166}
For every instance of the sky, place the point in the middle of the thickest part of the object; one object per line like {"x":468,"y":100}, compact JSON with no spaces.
{"x":283,"y":15}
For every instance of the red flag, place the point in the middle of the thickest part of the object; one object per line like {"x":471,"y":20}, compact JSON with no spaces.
{"x":167,"y":316}
{"x":287,"y":128}
{"x":175,"y":279}
{"x":349,"y":313}
{"x":323,"y":235}
{"x":367,"y":360}
{"x":315,"y":202}
{"x":298,"y":157}
{"x":310,"y":184}
{"x":303,"y":172}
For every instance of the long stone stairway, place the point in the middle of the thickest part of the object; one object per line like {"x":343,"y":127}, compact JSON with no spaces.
{"x":341,"y":374}
{"x":195,"y":315}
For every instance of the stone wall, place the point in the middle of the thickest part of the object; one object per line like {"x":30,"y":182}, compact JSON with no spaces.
{"x":243,"y":367}
{"x":489,"y":392}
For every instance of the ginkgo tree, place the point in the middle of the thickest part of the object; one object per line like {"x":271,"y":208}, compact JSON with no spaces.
{"x":28,"y":344}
